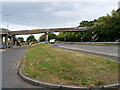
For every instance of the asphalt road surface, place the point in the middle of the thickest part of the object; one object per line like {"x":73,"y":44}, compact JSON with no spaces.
{"x":10,"y":61}
{"x":12,"y":57}
{"x":104,"y":51}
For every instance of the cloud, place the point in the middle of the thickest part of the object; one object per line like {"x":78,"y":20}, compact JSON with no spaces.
{"x":15,"y":27}
{"x":51,"y":14}
{"x":60,"y":0}
{"x":31,"y":15}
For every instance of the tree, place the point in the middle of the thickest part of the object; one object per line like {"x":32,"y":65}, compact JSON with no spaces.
{"x":115,"y":25}
{"x":87,"y":23}
{"x":31,"y":38}
{"x":108,"y":27}
{"x":50,"y":36}
{"x":87,"y":36}
{"x":42,"y":38}
{"x":21,"y":39}
{"x":104,"y":29}
{"x":76,"y":36}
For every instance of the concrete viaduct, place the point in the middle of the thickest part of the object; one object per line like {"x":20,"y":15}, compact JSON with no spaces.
{"x":14,"y":41}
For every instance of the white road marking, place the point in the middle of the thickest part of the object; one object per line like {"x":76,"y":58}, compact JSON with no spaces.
{"x":16,"y":65}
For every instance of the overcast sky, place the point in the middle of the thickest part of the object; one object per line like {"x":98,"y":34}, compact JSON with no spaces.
{"x":33,"y":15}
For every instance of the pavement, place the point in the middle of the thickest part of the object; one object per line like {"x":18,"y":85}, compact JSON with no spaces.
{"x":2,"y":50}
{"x":104,"y":51}
{"x":10,"y":62}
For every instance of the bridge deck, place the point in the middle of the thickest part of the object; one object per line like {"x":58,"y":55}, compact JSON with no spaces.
{"x":36,"y":31}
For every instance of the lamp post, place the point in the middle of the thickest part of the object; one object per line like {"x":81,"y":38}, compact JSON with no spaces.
{"x":7,"y":28}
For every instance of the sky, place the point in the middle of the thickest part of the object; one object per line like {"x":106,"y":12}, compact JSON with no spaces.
{"x":35,"y":15}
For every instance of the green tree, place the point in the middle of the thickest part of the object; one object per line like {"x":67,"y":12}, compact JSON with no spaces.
{"x":76,"y":36}
{"x":87,"y":36}
{"x":61,"y":37}
{"x":115,"y":25}
{"x":104,"y":29}
{"x":50,"y":36}
{"x":42,"y":38}
{"x":108,"y":27}
{"x":31,"y":38}
{"x":21,"y":39}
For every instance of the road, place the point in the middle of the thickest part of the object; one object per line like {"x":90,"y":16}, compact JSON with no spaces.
{"x":104,"y":51}
{"x":10,"y":59}
{"x":10,"y":78}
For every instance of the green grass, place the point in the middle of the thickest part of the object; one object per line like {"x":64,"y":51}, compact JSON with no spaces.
{"x":54,"y":65}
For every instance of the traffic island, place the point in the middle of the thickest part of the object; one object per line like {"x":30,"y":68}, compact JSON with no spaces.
{"x":62,"y":68}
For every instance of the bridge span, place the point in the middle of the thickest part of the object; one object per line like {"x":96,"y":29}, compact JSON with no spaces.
{"x":36,"y":31}
{"x":11,"y":34}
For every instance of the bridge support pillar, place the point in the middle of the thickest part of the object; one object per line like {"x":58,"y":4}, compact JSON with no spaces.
{"x":12,"y":41}
{"x":46,"y":39}
{"x":6,"y":41}
{"x":1,"y":40}
{"x":15,"y":43}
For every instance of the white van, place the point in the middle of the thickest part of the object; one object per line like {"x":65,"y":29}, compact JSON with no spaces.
{"x":52,"y":41}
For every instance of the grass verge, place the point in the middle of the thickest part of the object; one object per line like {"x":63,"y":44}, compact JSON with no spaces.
{"x":59,"y":66}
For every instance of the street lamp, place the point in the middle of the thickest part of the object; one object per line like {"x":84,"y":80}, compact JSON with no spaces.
{"x":8,"y":20}
{"x":7,"y":27}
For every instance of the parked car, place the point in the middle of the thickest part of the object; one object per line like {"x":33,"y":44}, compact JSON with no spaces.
{"x":117,"y":40}
{"x":52,"y":41}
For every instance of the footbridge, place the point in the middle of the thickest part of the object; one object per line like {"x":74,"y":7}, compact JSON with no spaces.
{"x":11,"y":34}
